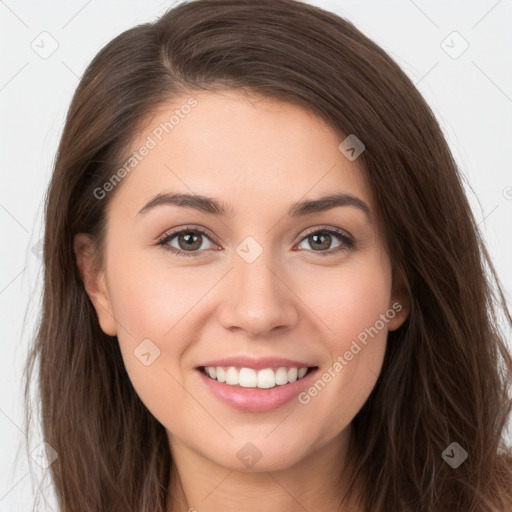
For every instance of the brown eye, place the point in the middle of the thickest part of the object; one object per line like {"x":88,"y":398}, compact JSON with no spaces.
{"x":189,"y":242}
{"x":321,"y":240}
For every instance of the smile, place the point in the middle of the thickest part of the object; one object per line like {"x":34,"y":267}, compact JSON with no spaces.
{"x":256,"y":390}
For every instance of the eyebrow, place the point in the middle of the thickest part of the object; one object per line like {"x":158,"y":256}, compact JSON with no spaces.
{"x":215,"y":207}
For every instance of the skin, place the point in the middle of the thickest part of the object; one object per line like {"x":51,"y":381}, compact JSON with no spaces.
{"x":259,"y":156}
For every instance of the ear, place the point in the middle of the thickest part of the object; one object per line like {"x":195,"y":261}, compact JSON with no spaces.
{"x":94,"y":282}
{"x":400,"y":300}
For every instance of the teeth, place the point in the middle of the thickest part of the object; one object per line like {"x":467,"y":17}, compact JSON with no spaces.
{"x":250,"y":378}
{"x":302,"y":372}
{"x":232,"y":376}
{"x":221,"y":374}
{"x":281,"y":376}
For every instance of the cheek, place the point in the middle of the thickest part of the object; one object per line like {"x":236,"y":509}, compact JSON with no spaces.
{"x":350,"y":300}
{"x":150,"y":301}
{"x":152,"y":315}
{"x":354,"y":304}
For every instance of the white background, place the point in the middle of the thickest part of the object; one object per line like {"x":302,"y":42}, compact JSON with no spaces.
{"x":471,"y":96}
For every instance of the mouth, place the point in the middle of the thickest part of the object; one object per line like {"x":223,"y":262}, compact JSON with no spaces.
{"x":252,"y":378}
{"x":256,"y":390}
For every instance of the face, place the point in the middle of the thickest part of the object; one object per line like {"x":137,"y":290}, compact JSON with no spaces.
{"x":263,"y":289}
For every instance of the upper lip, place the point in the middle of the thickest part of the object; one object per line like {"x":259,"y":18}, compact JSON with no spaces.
{"x":257,"y":363}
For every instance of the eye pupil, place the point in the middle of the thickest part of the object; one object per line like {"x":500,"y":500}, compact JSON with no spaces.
{"x":188,"y":236}
{"x":324,"y":236}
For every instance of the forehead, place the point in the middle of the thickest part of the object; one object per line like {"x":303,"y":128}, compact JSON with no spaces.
{"x":242,"y":148}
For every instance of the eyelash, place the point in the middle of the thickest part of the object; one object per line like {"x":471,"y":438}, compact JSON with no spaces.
{"x":346,"y":245}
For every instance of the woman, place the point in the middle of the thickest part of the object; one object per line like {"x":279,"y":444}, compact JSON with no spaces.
{"x":333,"y":346}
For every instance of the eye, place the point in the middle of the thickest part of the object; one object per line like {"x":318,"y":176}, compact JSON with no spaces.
{"x":322,"y":239}
{"x":190,"y":240}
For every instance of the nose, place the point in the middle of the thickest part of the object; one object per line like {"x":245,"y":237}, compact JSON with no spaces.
{"x":257,"y":300}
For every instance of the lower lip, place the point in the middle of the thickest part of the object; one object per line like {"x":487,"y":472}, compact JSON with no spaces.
{"x":256,"y":399}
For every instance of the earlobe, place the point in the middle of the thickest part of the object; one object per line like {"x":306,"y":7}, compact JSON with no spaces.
{"x":95,"y":284}
{"x":400,"y":302}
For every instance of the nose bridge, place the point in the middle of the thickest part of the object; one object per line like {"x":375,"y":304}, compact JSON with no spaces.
{"x":258,"y":299}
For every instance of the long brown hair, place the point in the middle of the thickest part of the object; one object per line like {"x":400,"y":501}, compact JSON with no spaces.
{"x":446,"y":370}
